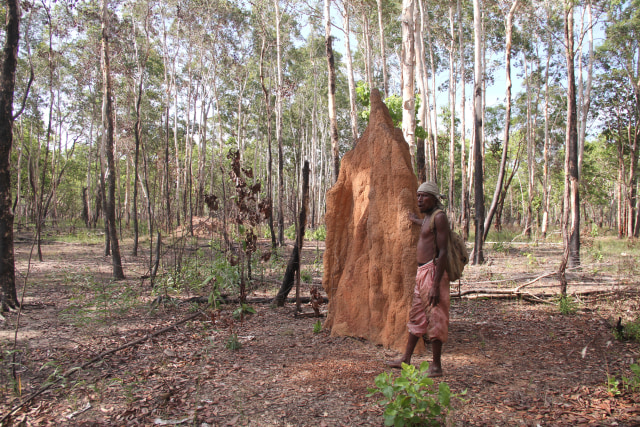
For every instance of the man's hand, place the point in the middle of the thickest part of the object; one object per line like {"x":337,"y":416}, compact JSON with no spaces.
{"x":433,"y":298}
{"x":414,"y":218}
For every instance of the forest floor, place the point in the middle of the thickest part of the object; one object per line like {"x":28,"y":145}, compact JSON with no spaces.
{"x":521,"y":363}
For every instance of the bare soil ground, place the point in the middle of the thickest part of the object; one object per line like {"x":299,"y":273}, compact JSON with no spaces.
{"x":522,"y":363}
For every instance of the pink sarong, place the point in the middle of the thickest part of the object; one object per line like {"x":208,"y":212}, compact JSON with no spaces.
{"x":432,"y":321}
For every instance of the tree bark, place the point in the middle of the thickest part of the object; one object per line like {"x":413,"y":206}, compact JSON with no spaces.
{"x":8,"y":296}
{"x":507,"y":120}
{"x":452,"y":108}
{"x":353,"y":113}
{"x":108,"y":136}
{"x":279,"y":127}
{"x":408,"y":77}
{"x":267,"y":104}
{"x":478,"y":255}
{"x":383,"y":53}
{"x":464,"y":196}
{"x":333,"y":122}
{"x":571,"y":208}
{"x":294,"y":262}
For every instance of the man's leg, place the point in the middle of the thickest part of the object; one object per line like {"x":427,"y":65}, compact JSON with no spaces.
{"x":406,"y":357}
{"x":435,"y":369}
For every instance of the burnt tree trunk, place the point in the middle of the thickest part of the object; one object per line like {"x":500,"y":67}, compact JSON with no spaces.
{"x":293,"y":266}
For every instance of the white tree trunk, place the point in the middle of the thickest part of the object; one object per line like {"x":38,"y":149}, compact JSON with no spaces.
{"x":352,"y":85}
{"x":408,"y":80}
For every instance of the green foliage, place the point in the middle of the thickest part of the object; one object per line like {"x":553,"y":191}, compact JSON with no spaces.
{"x":306,"y":276}
{"x":630,"y":331}
{"x":97,"y":301}
{"x":200,"y":274}
{"x":617,"y":387}
{"x":412,"y":398}
{"x":319,"y":234}
{"x":290,"y":232}
{"x":567,"y":305}
{"x":317,"y":327}
{"x":233,"y":343}
{"x":244,"y":309}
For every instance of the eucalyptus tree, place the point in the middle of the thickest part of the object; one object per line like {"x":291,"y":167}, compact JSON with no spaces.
{"x":618,"y":57}
{"x":109,"y":174}
{"x":507,"y":118}
{"x":8,"y":295}
{"x":478,"y":254}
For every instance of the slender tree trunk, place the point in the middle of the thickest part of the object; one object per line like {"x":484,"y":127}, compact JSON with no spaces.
{"x":333,"y":122}
{"x":107,"y":115}
{"x":366,"y":35}
{"x":353,"y":112}
{"x":279,"y":127}
{"x":408,"y":78}
{"x":294,"y":261}
{"x":267,"y":104}
{"x":571,"y":212}
{"x":420,"y":79}
{"x":452,"y":108}
{"x":545,"y":173}
{"x":507,"y":120}
{"x":465,"y":211}
{"x":432,"y":146}
{"x":383,"y":53}
{"x":8,"y":295}
{"x":478,"y":255}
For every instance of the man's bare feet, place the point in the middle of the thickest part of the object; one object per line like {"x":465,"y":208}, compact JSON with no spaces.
{"x":434,"y":372}
{"x":397,"y":364}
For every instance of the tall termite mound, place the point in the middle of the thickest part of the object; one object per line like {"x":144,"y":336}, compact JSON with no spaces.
{"x":370,"y":256}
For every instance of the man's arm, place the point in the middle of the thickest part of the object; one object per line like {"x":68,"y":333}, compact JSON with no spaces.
{"x":414,"y":218}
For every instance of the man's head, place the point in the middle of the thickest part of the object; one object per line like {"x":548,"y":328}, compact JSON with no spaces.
{"x":428,"y":196}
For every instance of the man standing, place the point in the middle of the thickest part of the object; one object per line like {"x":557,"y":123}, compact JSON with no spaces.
{"x":429,"y":313}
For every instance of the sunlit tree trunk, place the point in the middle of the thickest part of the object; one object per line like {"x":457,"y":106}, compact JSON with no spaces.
{"x":432,"y":143}
{"x":545,"y":173}
{"x":507,"y":120}
{"x":422,"y":90}
{"x":8,"y":295}
{"x":383,"y":53}
{"x":478,"y":255}
{"x":452,"y":108}
{"x":333,"y":122}
{"x":464,"y":196}
{"x":107,"y":120}
{"x":353,"y":111}
{"x":408,"y":79}
{"x":279,"y":126}
{"x":571,"y":211}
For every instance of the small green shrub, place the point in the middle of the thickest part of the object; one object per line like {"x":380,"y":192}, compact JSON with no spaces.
{"x":617,"y":387}
{"x":412,"y":398}
{"x":317,"y":327}
{"x":233,"y":343}
{"x":243,"y":310}
{"x":290,"y":232}
{"x":306,"y":276}
{"x":567,"y":305}
{"x":629,"y":332}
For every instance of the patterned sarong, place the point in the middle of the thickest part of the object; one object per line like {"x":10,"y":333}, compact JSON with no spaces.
{"x":432,"y":321}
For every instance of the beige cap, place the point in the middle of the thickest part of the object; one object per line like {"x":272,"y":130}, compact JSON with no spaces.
{"x":429,"y":187}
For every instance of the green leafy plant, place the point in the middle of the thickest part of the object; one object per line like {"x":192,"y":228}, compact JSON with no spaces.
{"x":233,"y":343}
{"x":243,"y":310}
{"x":412,"y":398}
{"x":306,"y":276}
{"x":617,"y":387}
{"x":630,"y":331}
{"x":567,"y":305}
{"x":317,"y":327}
